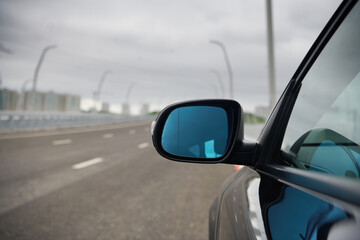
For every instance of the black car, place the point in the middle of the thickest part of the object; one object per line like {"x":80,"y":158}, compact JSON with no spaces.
{"x":301,"y":179}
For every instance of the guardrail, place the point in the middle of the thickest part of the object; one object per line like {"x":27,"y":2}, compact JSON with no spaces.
{"x":33,"y":121}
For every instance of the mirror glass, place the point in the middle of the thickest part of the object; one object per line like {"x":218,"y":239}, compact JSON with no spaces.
{"x":196,"y":132}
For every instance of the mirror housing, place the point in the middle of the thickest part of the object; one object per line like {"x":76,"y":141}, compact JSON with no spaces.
{"x":203,"y":131}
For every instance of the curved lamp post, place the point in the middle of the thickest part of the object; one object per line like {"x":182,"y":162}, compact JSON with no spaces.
{"x":126,"y":105}
{"x":21,"y":99}
{"x":215,"y":89}
{"x":41,"y":60}
{"x":101,"y":82}
{"x":227,"y":61}
{"x":220,"y":81}
{"x":37,"y":70}
{"x":131,"y":86}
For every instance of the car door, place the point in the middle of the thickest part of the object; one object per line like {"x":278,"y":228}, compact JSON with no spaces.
{"x":305,"y":180}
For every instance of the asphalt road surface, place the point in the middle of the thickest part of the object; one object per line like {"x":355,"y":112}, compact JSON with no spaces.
{"x":102,"y":183}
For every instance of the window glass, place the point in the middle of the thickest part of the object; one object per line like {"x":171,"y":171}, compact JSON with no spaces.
{"x":323,"y":131}
{"x":299,"y":215}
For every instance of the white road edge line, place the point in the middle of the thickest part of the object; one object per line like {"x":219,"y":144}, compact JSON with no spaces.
{"x":87,"y":163}
{"x":61,"y":142}
{"x":108,"y":135}
{"x":143,"y":145}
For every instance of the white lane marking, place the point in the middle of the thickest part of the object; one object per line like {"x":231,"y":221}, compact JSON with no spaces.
{"x":143,"y":145}
{"x":87,"y":163}
{"x":61,"y":142}
{"x":132,"y":131}
{"x":147,"y":129}
{"x":108,"y":135}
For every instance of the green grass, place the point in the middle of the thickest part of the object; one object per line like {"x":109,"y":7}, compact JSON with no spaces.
{"x":252,"y":119}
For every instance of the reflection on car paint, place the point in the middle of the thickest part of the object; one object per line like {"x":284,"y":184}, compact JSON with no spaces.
{"x":256,"y":218}
{"x":240,"y":213}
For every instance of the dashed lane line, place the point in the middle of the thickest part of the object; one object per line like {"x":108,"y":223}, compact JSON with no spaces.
{"x":87,"y":163}
{"x":108,"y":135}
{"x":61,"y":142}
{"x":143,"y":145}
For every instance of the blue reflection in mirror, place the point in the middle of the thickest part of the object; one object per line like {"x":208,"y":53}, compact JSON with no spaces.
{"x":196,"y":132}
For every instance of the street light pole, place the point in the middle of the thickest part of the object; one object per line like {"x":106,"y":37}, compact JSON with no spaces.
{"x":131,"y":86}
{"x":126,"y":105}
{"x":37,"y":69}
{"x":227,"y":61}
{"x":41,"y":60}
{"x":102,"y":79}
{"x":215,"y":89}
{"x":271,"y":61}
{"x":220,"y":81}
{"x":21,"y":99}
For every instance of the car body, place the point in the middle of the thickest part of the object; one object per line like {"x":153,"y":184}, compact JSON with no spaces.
{"x":301,"y":179}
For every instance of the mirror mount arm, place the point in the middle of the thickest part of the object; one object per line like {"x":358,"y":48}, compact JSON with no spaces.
{"x":244,"y":155}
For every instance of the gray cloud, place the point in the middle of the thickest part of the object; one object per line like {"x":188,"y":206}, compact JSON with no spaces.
{"x":4,"y":49}
{"x":163,"y":45}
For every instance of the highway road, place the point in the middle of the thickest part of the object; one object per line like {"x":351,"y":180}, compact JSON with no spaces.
{"x":102,"y":183}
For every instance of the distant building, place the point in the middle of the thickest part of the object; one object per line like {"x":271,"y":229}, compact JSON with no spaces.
{"x":105,"y":107}
{"x":40,"y":101}
{"x":33,"y":102}
{"x":70,"y":103}
{"x":50,"y":101}
{"x":145,"y":109}
{"x":8,"y":99}
{"x":125,"y":109}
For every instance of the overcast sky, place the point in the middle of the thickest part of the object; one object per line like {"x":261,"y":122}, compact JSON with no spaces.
{"x":162,"y":45}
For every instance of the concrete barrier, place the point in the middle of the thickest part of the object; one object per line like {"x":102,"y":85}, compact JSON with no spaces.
{"x":11,"y":121}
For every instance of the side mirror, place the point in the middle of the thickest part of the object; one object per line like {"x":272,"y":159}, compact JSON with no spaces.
{"x":204,"y":131}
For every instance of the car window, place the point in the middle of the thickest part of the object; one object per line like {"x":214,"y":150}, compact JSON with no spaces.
{"x":323,"y":131}
{"x":299,"y":215}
